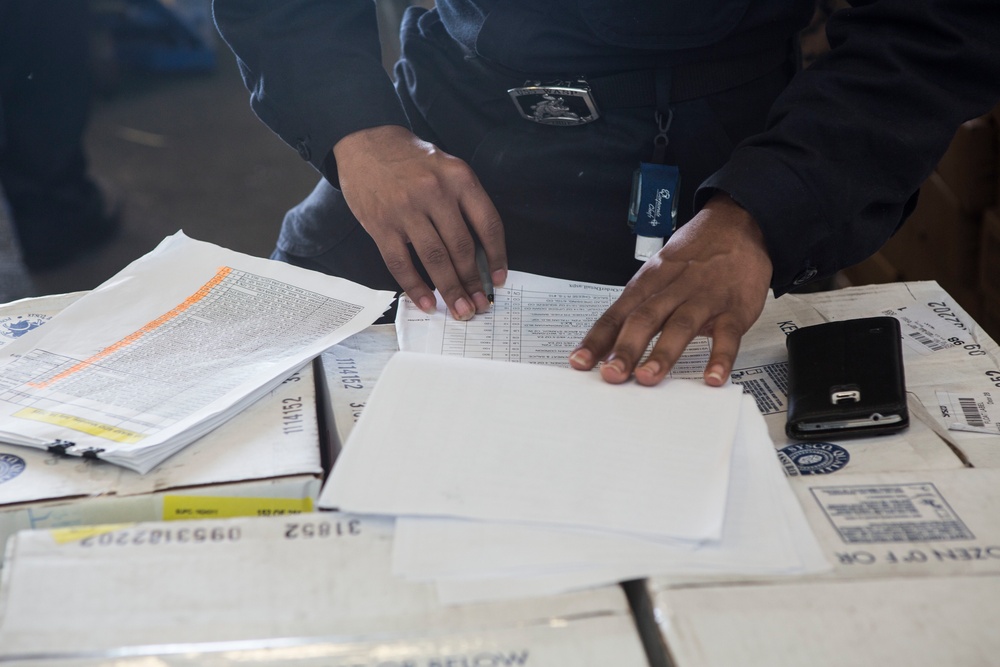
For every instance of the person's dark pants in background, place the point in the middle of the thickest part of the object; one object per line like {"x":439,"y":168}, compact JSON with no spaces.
{"x":45,"y":96}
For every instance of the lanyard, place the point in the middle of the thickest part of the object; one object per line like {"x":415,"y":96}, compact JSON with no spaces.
{"x":652,"y":213}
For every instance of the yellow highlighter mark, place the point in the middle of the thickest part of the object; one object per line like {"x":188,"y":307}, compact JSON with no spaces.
{"x":89,"y":426}
{"x":202,"y":292}
{"x":176,"y":507}
{"x":77,"y":533}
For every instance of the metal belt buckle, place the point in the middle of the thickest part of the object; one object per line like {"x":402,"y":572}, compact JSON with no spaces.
{"x":556,"y":103}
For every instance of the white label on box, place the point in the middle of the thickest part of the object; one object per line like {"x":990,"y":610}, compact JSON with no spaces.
{"x":969,"y":410}
{"x":871,"y":514}
{"x":768,"y":384}
{"x":926,"y":332}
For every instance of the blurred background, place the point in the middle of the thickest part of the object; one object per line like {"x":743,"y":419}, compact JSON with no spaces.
{"x":172,"y":143}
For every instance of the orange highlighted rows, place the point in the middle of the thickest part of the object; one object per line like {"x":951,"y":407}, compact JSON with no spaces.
{"x":202,"y":292}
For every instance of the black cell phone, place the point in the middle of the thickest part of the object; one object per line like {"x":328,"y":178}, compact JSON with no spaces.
{"x":846,"y":379}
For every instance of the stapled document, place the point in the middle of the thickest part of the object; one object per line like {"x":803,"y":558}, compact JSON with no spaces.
{"x":172,"y":346}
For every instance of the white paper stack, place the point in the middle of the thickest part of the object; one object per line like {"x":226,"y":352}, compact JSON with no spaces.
{"x":170,"y":348}
{"x":312,"y":590}
{"x":513,"y":479}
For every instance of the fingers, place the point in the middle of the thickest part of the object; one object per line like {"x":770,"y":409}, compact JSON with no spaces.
{"x":406,"y":192}
{"x":679,"y":329}
{"x":396,"y":256}
{"x":476,"y":211}
{"x":621,"y":335}
{"x":447,"y":251}
{"x":447,"y":247}
{"x":625,"y":313}
{"x":449,"y":261}
{"x":622,"y":342}
{"x":711,"y":277}
{"x":484,"y":219}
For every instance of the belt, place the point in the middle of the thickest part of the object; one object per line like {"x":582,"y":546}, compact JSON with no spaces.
{"x":578,"y":100}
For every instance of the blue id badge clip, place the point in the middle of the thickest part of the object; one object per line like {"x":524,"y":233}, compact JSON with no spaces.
{"x":652,"y":212}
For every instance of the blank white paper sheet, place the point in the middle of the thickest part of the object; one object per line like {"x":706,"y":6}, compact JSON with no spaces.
{"x":501,"y":441}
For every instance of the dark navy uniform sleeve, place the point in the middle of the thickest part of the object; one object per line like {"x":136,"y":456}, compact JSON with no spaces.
{"x":313,"y":68}
{"x":853,"y":137}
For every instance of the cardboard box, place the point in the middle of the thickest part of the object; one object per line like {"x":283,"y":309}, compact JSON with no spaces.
{"x":924,"y":523}
{"x":931,"y":528}
{"x":323,"y":579}
{"x":886,"y":536}
{"x":348,"y":372}
{"x":914,"y":622}
{"x":918,"y":523}
{"x":969,"y":166}
{"x":264,"y":461}
{"x":761,"y":368}
{"x":944,"y":350}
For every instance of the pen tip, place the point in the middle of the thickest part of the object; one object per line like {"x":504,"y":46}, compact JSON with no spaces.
{"x":489,"y":297}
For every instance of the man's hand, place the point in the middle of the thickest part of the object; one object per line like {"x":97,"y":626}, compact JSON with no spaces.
{"x":711,"y":278}
{"x":406,"y":191}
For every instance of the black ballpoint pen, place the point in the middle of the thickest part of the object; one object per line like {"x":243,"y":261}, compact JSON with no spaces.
{"x":484,"y":272}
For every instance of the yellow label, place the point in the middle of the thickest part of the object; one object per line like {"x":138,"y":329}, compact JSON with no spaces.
{"x":220,"y":507}
{"x":77,"y":533}
{"x":106,"y":431}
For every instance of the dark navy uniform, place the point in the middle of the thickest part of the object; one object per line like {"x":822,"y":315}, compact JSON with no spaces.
{"x":826,"y":160}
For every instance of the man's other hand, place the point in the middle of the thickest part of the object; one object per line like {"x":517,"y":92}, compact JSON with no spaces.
{"x":405,"y":191}
{"x":711,"y":278}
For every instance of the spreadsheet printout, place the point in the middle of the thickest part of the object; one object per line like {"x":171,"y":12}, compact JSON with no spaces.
{"x":169,"y":348}
{"x":534,"y":320}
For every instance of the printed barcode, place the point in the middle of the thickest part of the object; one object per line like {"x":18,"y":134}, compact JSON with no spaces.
{"x":929,"y":342}
{"x":971,"y":412}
